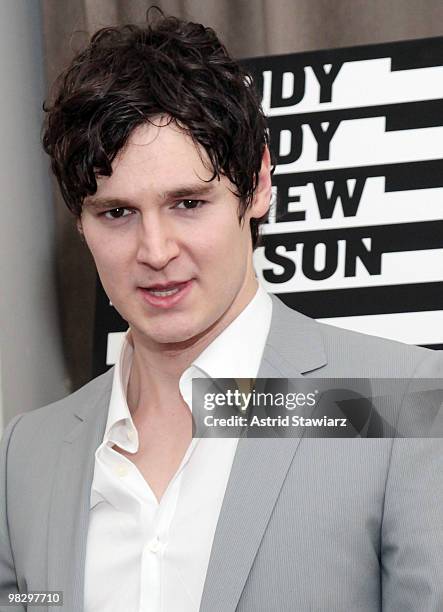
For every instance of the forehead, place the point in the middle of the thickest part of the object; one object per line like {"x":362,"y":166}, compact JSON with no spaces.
{"x":156,"y":158}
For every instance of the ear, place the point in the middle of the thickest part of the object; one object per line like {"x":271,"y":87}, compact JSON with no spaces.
{"x":263,"y":191}
{"x":80,"y":229}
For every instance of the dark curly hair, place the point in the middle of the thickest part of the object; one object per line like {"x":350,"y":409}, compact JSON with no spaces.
{"x":129,"y":74}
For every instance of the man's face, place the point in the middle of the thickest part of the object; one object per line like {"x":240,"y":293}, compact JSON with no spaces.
{"x":169,"y":249}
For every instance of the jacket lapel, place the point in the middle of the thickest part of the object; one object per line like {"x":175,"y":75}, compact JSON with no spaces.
{"x":294,"y":347}
{"x":69,"y":512}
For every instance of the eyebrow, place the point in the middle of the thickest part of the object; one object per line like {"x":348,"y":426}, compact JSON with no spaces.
{"x":188,"y":190}
{"x":185,"y":191}
{"x":102,"y":203}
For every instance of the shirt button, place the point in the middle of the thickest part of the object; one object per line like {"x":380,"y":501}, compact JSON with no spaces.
{"x":154,"y":545}
{"x":130,"y":435}
{"x":122,"y":470}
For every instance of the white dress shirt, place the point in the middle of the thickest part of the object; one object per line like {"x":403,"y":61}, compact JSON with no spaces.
{"x":148,"y":556}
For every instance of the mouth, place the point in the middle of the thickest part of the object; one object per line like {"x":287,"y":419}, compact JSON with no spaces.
{"x":167,"y":294}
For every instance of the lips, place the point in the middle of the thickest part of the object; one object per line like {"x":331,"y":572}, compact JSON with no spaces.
{"x":166,"y":286}
{"x":166,"y":295}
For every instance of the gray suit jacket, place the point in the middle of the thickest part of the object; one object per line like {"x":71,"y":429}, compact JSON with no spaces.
{"x":314,"y":525}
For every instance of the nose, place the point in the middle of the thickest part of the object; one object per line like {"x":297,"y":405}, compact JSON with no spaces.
{"x":157,"y":245}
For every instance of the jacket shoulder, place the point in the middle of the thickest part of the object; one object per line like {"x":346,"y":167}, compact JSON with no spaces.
{"x":58,"y":416}
{"x":375,"y":356}
{"x":349,"y":353}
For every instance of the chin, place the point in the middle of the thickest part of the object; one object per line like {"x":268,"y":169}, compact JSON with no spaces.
{"x":169,"y":335}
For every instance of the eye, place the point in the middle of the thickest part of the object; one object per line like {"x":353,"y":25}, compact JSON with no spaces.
{"x":117,"y":213}
{"x":189,"y":204}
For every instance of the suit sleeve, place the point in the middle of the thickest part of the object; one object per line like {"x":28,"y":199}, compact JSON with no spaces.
{"x":412,"y":527}
{"x":8,"y":578}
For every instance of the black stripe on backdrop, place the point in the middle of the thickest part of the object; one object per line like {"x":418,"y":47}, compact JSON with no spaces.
{"x":421,"y":53}
{"x":399,"y":116}
{"x":366,"y":300}
{"x":404,"y":55}
{"x":399,"y":177}
{"x":392,"y":238}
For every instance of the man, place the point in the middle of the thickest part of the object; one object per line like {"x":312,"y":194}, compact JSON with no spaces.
{"x":160,"y":149}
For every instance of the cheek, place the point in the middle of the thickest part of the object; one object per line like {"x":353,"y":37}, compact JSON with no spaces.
{"x":102,"y":257}
{"x":110,"y":258}
{"x":224,"y":252}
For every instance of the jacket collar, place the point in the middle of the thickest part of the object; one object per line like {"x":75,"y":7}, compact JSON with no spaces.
{"x":69,"y":506}
{"x":294,"y":345}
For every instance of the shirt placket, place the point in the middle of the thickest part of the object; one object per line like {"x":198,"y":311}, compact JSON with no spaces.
{"x":155,"y":537}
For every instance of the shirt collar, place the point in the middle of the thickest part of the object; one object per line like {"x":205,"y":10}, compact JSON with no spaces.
{"x":237,"y":351}
{"x":119,"y":423}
